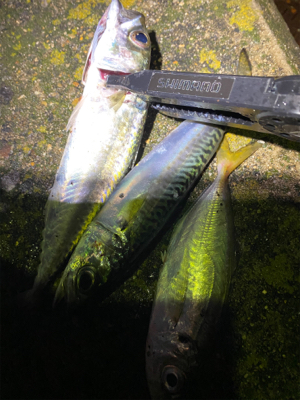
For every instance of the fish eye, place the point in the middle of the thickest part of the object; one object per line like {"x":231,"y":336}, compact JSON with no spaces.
{"x":85,"y":280}
{"x":139,"y":38}
{"x":183,"y":339}
{"x":173,"y":379}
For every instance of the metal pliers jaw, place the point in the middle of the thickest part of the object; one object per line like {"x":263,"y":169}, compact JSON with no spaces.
{"x":264,"y":104}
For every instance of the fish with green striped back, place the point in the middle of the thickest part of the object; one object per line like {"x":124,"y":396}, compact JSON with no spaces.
{"x":144,"y":201}
{"x":193,"y":284}
{"x":106,"y":129}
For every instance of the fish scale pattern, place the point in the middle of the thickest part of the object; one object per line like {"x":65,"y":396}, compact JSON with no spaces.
{"x":168,"y":190}
{"x":206,"y":228}
{"x":140,"y":207}
{"x":193,"y":284}
{"x":174,"y":184}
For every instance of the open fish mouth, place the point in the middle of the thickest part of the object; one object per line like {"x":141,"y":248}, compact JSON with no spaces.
{"x":121,"y":43}
{"x":104,"y":73}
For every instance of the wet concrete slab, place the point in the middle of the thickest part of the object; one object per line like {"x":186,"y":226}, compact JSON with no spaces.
{"x":82,"y":354}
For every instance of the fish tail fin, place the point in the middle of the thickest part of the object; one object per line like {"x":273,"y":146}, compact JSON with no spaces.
{"x":228,"y":161}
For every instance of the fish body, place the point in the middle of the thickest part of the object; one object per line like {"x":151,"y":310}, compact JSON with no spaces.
{"x":193,"y":284}
{"x":137,"y":210}
{"x":106,"y":129}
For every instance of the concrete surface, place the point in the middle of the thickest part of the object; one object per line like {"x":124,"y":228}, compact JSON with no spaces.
{"x":99,"y":353}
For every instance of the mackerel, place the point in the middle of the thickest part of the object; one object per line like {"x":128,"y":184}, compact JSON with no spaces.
{"x":110,"y":248}
{"x":193,"y":284}
{"x":105,"y":133}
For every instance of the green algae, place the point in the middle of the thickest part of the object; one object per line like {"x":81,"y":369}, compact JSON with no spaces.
{"x":243,"y":14}
{"x":265,"y":286}
{"x":21,"y":225}
{"x":57,"y":57}
{"x":210,"y":58}
{"x":278,"y":272}
{"x":265,"y":290}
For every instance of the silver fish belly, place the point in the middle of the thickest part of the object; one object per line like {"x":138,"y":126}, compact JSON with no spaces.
{"x":106,"y":130}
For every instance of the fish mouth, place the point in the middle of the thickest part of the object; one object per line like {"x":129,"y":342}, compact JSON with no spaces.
{"x":104,"y":73}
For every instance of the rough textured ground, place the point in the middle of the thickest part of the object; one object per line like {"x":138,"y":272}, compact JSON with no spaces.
{"x":98,"y":352}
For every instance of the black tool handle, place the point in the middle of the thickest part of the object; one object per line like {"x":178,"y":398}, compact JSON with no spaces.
{"x":268,"y":104}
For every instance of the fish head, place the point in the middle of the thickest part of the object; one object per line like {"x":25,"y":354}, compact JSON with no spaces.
{"x":93,"y":261}
{"x":76,"y":284}
{"x":87,"y":269}
{"x":121,"y":43}
{"x":170,"y":361}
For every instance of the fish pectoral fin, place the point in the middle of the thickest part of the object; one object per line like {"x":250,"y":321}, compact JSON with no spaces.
{"x":74,"y":114}
{"x":163,"y":255}
{"x":133,"y":207}
{"x":116,"y":100}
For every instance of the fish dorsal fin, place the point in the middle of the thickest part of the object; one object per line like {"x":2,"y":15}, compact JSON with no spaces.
{"x":228,"y":161}
{"x":244,"y":65}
